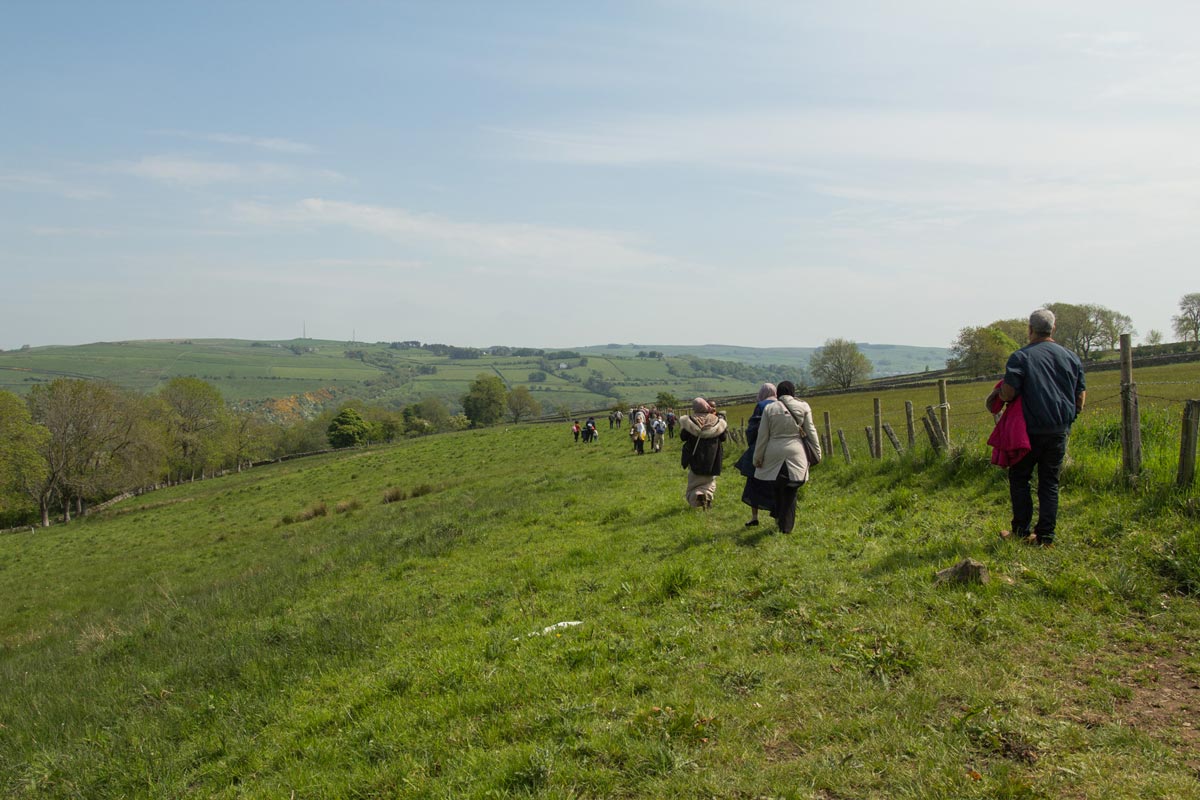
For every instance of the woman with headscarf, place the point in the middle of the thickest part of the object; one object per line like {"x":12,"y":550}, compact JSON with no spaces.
{"x":703,"y":435}
{"x":757,"y":494}
{"x":779,"y":455}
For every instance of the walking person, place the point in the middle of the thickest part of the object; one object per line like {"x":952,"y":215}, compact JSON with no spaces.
{"x":638,"y":432}
{"x":575,"y":430}
{"x":1048,"y":378}
{"x":657,"y":429}
{"x":779,"y":455}
{"x":702,"y":434}
{"x":756,"y":494}
{"x":672,"y":420}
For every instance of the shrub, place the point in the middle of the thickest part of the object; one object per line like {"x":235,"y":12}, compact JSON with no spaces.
{"x":315,"y":510}
{"x":347,"y":505}
{"x":394,"y":495}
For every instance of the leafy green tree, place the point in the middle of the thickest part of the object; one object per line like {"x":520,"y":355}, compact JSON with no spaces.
{"x":194,"y":416}
{"x":96,"y":436}
{"x":427,"y":416}
{"x":1187,"y":322}
{"x":1084,"y":328}
{"x":347,"y":429}
{"x":21,"y":445}
{"x":537,"y":376}
{"x":1113,"y":324}
{"x":1015,"y":329}
{"x":249,"y":438}
{"x":1154,"y":337}
{"x":839,"y":363}
{"x":484,"y":401}
{"x":666,"y":400}
{"x":522,"y":404}
{"x":980,"y":351}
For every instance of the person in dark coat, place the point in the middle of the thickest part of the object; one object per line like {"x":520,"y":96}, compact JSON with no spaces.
{"x":1049,"y":381}
{"x":703,"y":436}
{"x":757,"y":494}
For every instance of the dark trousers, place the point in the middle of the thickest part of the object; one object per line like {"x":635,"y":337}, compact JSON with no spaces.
{"x":785,"y":490}
{"x":1046,"y":456}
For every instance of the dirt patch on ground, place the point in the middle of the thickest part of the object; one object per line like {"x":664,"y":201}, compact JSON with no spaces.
{"x":1165,"y":703}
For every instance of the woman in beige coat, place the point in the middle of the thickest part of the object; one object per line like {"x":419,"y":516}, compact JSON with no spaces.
{"x":779,"y":455}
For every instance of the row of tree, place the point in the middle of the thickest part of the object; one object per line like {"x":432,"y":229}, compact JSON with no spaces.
{"x":71,"y":443}
{"x":1087,"y":329}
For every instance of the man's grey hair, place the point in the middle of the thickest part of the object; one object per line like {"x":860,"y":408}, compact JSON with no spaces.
{"x":1041,"y":322}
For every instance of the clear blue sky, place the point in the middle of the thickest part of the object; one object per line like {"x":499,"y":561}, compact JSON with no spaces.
{"x":558,"y":173}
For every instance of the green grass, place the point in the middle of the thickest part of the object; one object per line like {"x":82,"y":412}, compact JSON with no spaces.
{"x":210,"y":641}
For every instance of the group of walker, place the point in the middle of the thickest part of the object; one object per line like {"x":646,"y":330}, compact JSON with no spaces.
{"x":781,"y":446}
{"x":781,"y":440}
{"x":782,"y":443}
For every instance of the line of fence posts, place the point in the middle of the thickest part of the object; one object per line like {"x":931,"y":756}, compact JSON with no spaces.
{"x":936,"y":427}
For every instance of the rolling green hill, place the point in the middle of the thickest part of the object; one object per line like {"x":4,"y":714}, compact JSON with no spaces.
{"x":888,"y":359}
{"x":505,"y":613}
{"x":249,"y":372}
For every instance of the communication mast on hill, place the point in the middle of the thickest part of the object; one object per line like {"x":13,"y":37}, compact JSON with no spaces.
{"x":304,"y":330}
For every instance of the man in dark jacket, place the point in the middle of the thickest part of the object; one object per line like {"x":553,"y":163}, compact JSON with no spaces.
{"x":1049,"y":380}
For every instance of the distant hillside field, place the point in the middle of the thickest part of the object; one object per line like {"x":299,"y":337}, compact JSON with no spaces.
{"x":889,"y":359}
{"x":246,"y":371}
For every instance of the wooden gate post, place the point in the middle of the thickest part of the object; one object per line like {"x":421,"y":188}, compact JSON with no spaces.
{"x":845,"y":447}
{"x":828,"y":433}
{"x":1131,"y":422}
{"x":936,"y":427}
{"x":944,"y":405}
{"x":1187,"y":445}
{"x":933,"y":437}
{"x":877,"y":442}
{"x":912,"y":431}
{"x":891,"y":434}
{"x":870,"y":441}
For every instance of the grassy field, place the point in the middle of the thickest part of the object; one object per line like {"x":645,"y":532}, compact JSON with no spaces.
{"x":288,"y":633}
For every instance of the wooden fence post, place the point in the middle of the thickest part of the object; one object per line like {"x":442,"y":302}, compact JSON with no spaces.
{"x":933,"y":437}
{"x":870,"y":441}
{"x":877,"y":442}
{"x":936,"y":427}
{"x":1131,"y":422}
{"x":891,"y":434}
{"x":1187,"y":445}
{"x":828,"y":434}
{"x":944,"y":405}
{"x":845,"y":447}
{"x":908,"y":415}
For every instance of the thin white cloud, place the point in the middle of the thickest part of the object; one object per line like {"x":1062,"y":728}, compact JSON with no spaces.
{"x":274,"y":144}
{"x":48,"y":184}
{"x":798,"y":141}
{"x":494,"y":246}
{"x":187,"y":171}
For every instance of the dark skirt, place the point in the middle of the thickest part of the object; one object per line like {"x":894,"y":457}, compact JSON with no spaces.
{"x":760,"y":494}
